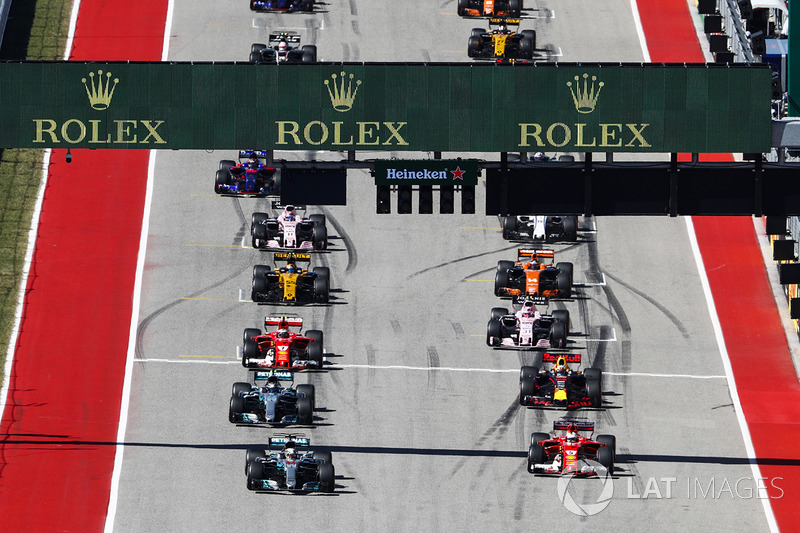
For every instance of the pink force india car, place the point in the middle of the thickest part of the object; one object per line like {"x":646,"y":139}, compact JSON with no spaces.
{"x":527,"y":328}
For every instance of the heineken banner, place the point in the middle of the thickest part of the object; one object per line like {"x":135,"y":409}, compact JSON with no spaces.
{"x":426,"y":172}
{"x":458,"y":107}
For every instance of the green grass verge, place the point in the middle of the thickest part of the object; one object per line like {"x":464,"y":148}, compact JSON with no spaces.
{"x":36,"y":30}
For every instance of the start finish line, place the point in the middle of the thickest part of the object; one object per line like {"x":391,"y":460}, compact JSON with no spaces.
{"x":449,"y":107}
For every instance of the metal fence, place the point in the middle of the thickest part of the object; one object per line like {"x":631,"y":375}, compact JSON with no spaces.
{"x":5,"y":7}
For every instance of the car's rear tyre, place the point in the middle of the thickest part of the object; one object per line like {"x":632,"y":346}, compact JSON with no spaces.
{"x":226,"y":164}
{"x":562,"y":315}
{"x":309,"y":53}
{"x":528,"y":372}
{"x":527,"y":387}
{"x":327,"y":477}
{"x":497,"y":313}
{"x":606,"y":458}
{"x":509,"y":227}
{"x":249,"y":333}
{"x":325,"y":457}
{"x":255,"y":473}
{"x":463,"y":5}
{"x":258,"y":219}
{"x":567,"y":267}
{"x":477,"y":32}
{"x":515,"y":8}
{"x":321,"y":287}
{"x":610,"y":441}
{"x":558,"y":335}
{"x":315,"y":349}
{"x":570,"y":228}
{"x":259,"y":287}
{"x":494,"y":333}
{"x":474,"y":46}
{"x":307,"y":390}
{"x":593,"y":374}
{"x":305,"y":410}
{"x":594,"y":393}
{"x":536,"y":456}
{"x":528,"y":43}
{"x":319,"y":235}
{"x":239,"y":387}
{"x":222,"y":178}
{"x":500,"y":279}
{"x":307,"y":5}
{"x":564,"y":285}
{"x":250,"y":351}
{"x":538,"y":437}
{"x":236,"y":407}
{"x":251,"y":456}
{"x":255,"y":58}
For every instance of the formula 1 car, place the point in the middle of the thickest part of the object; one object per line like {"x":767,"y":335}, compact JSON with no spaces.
{"x":289,"y":233}
{"x":282,"y":348}
{"x":527,"y":328}
{"x":271,"y":403}
{"x":490,"y":8}
{"x":290,"y":284}
{"x":249,"y":177}
{"x":571,"y":453}
{"x":286,"y":469}
{"x":540,"y":228}
{"x":282,"y":5}
{"x":283,"y":48}
{"x":533,"y":275}
{"x":561,"y":386}
{"x":500,"y":42}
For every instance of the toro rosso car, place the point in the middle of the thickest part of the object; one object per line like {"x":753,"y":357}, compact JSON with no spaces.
{"x":490,"y":8}
{"x":533,"y":275}
{"x":527,"y":328}
{"x":249,"y":177}
{"x":560,"y":386}
{"x":284,"y":468}
{"x":540,"y":228}
{"x":282,"y":5}
{"x":283,"y":47}
{"x":290,"y":284}
{"x":271,"y":403}
{"x":500,"y":42}
{"x":282,"y":348}
{"x":289,"y":231}
{"x":571,"y":453}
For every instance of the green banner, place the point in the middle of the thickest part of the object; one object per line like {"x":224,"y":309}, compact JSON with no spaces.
{"x":426,"y":172}
{"x":459,"y":107}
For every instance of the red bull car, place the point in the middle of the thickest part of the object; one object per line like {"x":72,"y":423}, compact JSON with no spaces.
{"x":572,"y":454}
{"x":534,"y":275}
{"x":490,"y":8}
{"x":282,"y":348}
{"x":527,"y":328}
{"x":282,"y":5}
{"x":561,"y":386}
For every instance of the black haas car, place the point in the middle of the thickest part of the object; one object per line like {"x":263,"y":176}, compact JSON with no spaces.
{"x":283,"y":48}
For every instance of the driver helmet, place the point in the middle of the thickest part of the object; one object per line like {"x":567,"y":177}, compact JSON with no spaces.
{"x":252,"y":162}
{"x":273,"y":383}
{"x":282,"y":46}
{"x":289,"y":210}
{"x":572,"y":433}
{"x":561,"y":368}
{"x":291,"y":453}
{"x":289,"y":217}
{"x":528,"y":309}
{"x":539,"y":156}
{"x":283,"y":333}
{"x":291,"y":268}
{"x":502,"y":27}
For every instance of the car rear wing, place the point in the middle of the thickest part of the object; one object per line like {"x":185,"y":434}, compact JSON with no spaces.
{"x":520,"y":299}
{"x":282,"y":375}
{"x":278,"y":320}
{"x":282,"y":440}
{"x":554,"y":357}
{"x":288,"y":36}
{"x":501,"y":20}
{"x":530,"y":252}
{"x":277,"y":205}
{"x":260,"y":154}
{"x":284,"y":256}
{"x":564,"y":425}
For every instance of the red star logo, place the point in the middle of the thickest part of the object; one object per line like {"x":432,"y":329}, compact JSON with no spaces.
{"x":458,"y":174}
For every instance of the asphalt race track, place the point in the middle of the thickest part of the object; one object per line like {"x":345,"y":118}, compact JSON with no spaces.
{"x":421,"y":416}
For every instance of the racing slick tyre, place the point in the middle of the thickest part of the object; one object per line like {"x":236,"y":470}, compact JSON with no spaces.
{"x":527,"y":387}
{"x":309,"y":53}
{"x":226,"y":164}
{"x":325,"y":457}
{"x":570,"y":228}
{"x":322,"y":272}
{"x":307,"y":390}
{"x":563,"y":283}
{"x":259,"y":234}
{"x":498,"y":313}
{"x":256,"y":48}
{"x":307,"y":5}
{"x":515,"y":8}
{"x":251,"y":456}
{"x":477,"y":32}
{"x":528,"y":372}
{"x":236,"y":407}
{"x":610,"y":441}
{"x":315,"y":350}
{"x":509,"y":227}
{"x":562,"y":315}
{"x":322,"y":289}
{"x":474,"y":47}
{"x":305,"y":410}
{"x":536,"y":456}
{"x":249,"y":333}
{"x":594,"y":374}
{"x":327,"y":476}
{"x":538,"y":437}
{"x":319,"y":235}
{"x":239,"y":387}
{"x":255,"y":473}
{"x":594,"y":393}
{"x":222,"y":179}
{"x":318,"y":219}
{"x":500,"y":279}
{"x":255,"y":58}
{"x":494,"y":333}
{"x":558,"y":335}
{"x":569,"y":158}
{"x":260,"y":271}
{"x":463,"y":5}
{"x":606,"y":458}
{"x":568,"y":268}
{"x":258,"y":219}
{"x":250,"y":351}
{"x":529,"y":46}
{"x":259,"y":287}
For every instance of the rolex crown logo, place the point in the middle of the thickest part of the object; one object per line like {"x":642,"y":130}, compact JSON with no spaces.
{"x":585,"y":97}
{"x":100,"y":92}
{"x":342,"y":97}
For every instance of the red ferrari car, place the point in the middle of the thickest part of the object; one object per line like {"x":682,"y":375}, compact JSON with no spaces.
{"x":571,"y":453}
{"x":490,"y":8}
{"x":282,"y":349}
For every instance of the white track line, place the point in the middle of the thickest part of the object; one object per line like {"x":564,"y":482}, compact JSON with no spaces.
{"x":134,"y":325}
